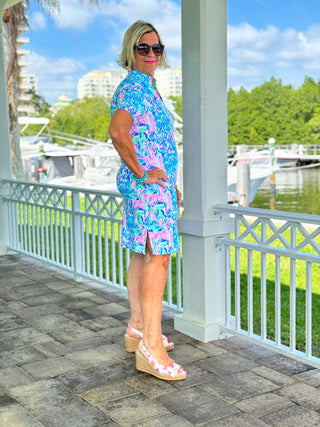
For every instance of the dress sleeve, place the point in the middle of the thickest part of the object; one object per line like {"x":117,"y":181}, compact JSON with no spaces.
{"x":128,"y":98}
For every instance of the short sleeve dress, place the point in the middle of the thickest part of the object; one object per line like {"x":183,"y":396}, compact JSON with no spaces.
{"x":149,"y":209}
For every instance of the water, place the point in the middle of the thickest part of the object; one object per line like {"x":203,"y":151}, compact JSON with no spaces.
{"x":296,"y":191}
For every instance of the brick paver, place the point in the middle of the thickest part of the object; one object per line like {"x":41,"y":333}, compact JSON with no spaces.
{"x":63,"y":363}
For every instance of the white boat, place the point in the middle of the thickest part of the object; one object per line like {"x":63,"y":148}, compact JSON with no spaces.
{"x":257,"y":177}
{"x":100,"y":161}
{"x":283,"y":157}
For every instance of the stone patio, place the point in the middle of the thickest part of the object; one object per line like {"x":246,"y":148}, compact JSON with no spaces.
{"x":63,"y":363}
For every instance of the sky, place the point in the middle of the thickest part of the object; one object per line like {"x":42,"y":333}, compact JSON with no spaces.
{"x":279,"y":38}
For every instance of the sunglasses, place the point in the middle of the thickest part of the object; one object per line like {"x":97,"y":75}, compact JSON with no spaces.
{"x":143,"y":49}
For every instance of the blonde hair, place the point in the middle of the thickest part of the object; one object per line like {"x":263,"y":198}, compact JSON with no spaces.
{"x":131,"y":37}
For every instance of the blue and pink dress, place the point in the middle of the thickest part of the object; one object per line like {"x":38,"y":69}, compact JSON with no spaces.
{"x":148,"y":208}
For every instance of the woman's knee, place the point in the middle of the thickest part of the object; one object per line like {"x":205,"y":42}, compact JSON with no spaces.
{"x":162,"y":260}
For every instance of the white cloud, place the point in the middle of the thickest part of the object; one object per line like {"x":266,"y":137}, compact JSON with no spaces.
{"x":75,"y":15}
{"x":256,"y":54}
{"x":164,"y":14}
{"x":55,"y":75}
{"x":37,"y":21}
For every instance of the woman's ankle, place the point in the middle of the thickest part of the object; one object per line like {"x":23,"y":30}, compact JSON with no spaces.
{"x":134,"y":330}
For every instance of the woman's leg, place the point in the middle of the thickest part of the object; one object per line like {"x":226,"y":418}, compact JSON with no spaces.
{"x":133,"y":281}
{"x":152,"y":283}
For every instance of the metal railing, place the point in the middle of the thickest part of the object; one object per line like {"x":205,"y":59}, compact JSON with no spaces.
{"x":77,"y":230}
{"x":273,"y":280}
{"x":307,"y":149}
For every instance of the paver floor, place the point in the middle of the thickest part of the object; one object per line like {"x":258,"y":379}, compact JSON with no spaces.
{"x":63,"y":363}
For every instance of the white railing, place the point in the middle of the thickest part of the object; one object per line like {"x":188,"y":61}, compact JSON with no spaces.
{"x":77,"y":230}
{"x":307,"y":149}
{"x":273,"y":280}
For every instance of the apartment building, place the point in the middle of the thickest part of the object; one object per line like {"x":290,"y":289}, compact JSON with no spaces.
{"x":27,"y":81}
{"x":169,"y":81}
{"x":104,"y":83}
{"x":100,"y":83}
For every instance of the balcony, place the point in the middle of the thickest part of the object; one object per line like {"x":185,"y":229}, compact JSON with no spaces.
{"x":23,"y":40}
{"x":79,"y":231}
{"x":63,"y":359}
{"x":23,"y":63}
{"x":23,"y":51}
{"x":25,"y":97}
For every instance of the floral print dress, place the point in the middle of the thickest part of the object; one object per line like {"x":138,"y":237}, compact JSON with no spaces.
{"x":149,"y":209}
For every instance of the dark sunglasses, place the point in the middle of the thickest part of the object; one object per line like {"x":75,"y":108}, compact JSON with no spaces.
{"x":143,"y":49}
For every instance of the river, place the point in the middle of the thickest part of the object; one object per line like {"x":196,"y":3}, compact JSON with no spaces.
{"x":296,"y":191}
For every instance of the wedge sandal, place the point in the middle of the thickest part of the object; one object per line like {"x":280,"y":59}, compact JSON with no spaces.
{"x":145,"y":362}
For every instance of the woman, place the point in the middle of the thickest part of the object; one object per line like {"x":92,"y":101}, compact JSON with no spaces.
{"x":141,"y":130}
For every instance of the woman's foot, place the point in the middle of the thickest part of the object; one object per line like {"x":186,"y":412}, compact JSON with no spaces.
{"x":163,"y":368}
{"x":133,"y":337}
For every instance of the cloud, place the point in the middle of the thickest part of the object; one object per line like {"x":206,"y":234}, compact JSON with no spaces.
{"x":37,"y":21}
{"x":55,"y":75}
{"x":119,"y":14}
{"x":75,"y":15}
{"x":254,"y":55}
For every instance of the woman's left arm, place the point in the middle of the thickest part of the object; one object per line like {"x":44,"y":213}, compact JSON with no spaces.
{"x":179,"y":197}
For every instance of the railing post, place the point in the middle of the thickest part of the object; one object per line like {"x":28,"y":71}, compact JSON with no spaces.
{"x":76,"y":236}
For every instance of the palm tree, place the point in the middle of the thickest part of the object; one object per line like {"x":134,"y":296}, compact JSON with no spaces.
{"x":14,"y":18}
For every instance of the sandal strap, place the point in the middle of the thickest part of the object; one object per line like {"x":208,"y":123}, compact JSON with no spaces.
{"x":135,"y":331}
{"x":165,"y":339}
{"x":172,"y":370}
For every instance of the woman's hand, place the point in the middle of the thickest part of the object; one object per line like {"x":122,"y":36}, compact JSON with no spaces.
{"x":179,"y":197}
{"x":156,"y":176}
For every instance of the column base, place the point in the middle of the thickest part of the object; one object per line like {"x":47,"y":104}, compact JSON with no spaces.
{"x":199,"y":331}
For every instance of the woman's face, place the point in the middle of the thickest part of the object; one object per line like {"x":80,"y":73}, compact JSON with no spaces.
{"x":147,"y":64}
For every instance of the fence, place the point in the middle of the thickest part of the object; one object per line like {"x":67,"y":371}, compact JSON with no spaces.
{"x":272,"y":259}
{"x":273,"y":280}
{"x":77,"y":230}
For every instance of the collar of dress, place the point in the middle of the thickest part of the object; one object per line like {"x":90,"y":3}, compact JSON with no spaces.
{"x":143,"y":79}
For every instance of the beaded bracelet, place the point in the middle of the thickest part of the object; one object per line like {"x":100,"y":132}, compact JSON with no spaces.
{"x":142,"y":179}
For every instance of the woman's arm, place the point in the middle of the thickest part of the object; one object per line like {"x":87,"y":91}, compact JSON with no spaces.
{"x":119,"y":130}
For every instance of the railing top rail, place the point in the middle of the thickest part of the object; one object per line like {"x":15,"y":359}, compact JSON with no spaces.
{"x":266,"y":213}
{"x":62,"y":187}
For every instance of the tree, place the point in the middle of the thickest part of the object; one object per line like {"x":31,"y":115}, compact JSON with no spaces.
{"x":40,"y":105}
{"x":15,"y":17}
{"x":84,"y":117}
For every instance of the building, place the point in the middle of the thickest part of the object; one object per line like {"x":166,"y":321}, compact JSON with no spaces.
{"x":100,"y":83}
{"x":62,"y":102}
{"x":27,"y":81}
{"x":104,"y":83}
{"x":169,"y":81}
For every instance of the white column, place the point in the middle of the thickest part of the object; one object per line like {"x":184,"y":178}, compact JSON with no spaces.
{"x":5,"y":157}
{"x":204,"y":74}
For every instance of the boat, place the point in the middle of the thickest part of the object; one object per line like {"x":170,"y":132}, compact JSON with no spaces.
{"x":257,"y":177}
{"x":283,"y":157}
{"x":87,"y":163}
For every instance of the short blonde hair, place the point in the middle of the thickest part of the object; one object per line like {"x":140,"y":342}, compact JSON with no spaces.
{"x":131,"y":37}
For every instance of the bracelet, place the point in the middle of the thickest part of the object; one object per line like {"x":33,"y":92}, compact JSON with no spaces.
{"x":142,"y":179}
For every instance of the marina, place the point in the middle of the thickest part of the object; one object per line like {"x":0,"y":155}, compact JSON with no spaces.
{"x":297,"y":190}
{"x":287,"y":155}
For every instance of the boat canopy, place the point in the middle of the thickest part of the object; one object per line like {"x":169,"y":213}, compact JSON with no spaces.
{"x":24,"y":120}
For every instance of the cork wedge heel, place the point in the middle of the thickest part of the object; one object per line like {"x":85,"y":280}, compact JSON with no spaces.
{"x":145,"y":362}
